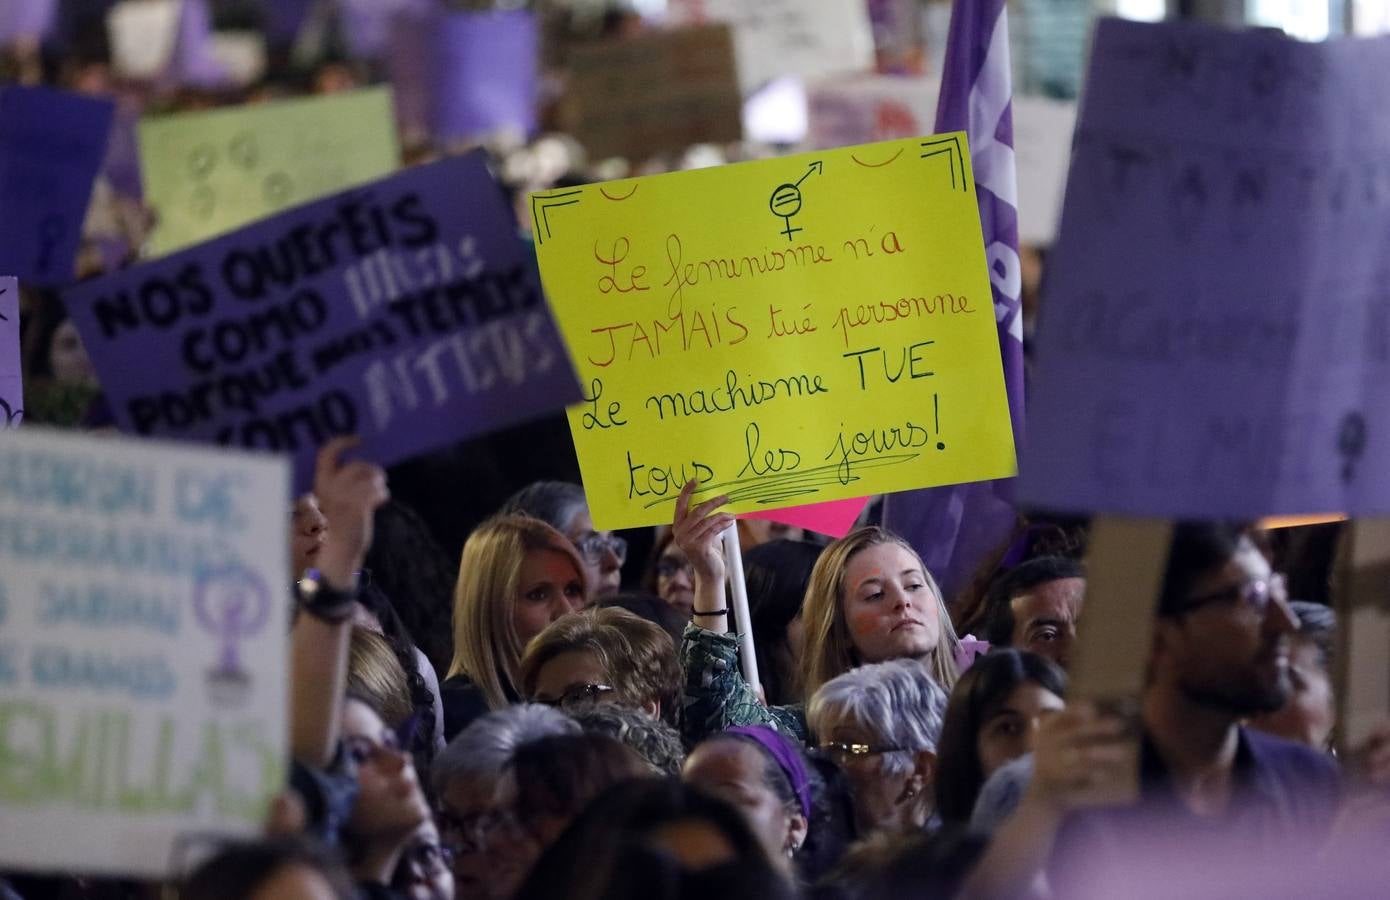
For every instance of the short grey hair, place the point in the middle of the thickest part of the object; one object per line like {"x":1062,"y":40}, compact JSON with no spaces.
{"x":896,"y":702}
{"x":485,"y":748}
{"x":555,"y":503}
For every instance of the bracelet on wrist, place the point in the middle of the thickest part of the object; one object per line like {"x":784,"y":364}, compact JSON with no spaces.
{"x":323,"y":601}
{"x":713,"y":612}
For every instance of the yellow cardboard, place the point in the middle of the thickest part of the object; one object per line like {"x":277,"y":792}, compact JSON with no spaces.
{"x":206,"y":173}
{"x":788,"y":331}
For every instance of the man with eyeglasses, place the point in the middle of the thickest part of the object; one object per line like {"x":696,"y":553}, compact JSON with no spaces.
{"x":1210,"y":789}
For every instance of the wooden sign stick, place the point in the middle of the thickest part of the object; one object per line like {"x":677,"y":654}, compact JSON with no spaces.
{"x":1363,"y":633}
{"x":1124,"y":575}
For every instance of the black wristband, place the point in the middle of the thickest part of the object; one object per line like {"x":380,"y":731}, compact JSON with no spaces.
{"x":713,"y":612}
{"x":324,"y":602}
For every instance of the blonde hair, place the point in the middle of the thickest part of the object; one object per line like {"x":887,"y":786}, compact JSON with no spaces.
{"x":377,"y":678}
{"x":486,"y":647}
{"x":828,"y":649}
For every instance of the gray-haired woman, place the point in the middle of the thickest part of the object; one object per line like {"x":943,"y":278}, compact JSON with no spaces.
{"x":881,"y":723}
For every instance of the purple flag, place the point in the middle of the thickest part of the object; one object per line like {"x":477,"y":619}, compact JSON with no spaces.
{"x":954,"y":528}
{"x":192,"y":62}
{"x":405,"y":310}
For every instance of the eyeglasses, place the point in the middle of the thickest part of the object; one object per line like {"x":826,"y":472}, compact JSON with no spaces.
{"x":1255,"y":594}
{"x":469,"y":834}
{"x":577,"y":694}
{"x":595,"y":545}
{"x":668,"y":566}
{"x":361,"y":749}
{"x":429,"y":856}
{"x":843,"y":751}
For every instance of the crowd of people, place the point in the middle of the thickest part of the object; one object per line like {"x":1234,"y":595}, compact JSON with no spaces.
{"x":511,"y":703}
{"x":588,"y":742}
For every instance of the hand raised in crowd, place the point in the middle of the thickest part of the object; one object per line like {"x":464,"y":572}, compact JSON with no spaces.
{"x":1083,"y":758}
{"x":697,"y":531}
{"x":348,"y":494}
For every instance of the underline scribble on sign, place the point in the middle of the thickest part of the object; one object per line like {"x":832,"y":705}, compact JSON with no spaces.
{"x":768,"y":489}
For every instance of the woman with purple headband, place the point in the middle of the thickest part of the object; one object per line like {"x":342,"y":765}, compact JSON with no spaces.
{"x":799,"y":808}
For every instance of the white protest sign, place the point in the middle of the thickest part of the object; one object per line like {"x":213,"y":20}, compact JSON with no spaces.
{"x":144,"y":610}
{"x":867,"y":108}
{"x":1042,"y":152}
{"x":775,"y":38}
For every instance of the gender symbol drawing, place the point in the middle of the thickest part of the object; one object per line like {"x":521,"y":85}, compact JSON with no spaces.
{"x":232,"y":604}
{"x":786,"y":200}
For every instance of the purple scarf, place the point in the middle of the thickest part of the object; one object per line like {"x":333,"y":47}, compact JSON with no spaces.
{"x":787,"y":757}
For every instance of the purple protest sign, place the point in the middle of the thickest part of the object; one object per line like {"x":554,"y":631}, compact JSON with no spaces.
{"x":485,"y":74}
{"x":463,"y":76}
{"x":406,"y":311}
{"x":1214,"y":338}
{"x":26,"y":19}
{"x":11,"y":371}
{"x":51,"y":145}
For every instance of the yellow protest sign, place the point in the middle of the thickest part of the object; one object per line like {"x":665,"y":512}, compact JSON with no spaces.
{"x":787,"y":331}
{"x":206,"y":173}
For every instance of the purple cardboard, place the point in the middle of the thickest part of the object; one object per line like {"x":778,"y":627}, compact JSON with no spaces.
{"x":486,"y":71}
{"x":11,"y":370}
{"x":1215,"y":327}
{"x":407,"y":311}
{"x":26,"y":19}
{"x":51,"y":145}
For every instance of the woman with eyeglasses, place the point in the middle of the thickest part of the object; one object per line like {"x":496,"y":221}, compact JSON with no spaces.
{"x":991,"y":720}
{"x":517,"y":576}
{"x":390,"y":805}
{"x":425,"y":871}
{"x":670,"y":575}
{"x":563,"y":506}
{"x":882,"y":724}
{"x":604,"y":655}
{"x":869,"y":599}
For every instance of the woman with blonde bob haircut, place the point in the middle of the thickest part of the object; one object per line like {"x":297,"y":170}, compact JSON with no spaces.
{"x":517,"y":575}
{"x":869,"y":600}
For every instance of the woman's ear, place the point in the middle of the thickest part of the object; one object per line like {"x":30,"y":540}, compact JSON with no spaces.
{"x":923,"y":775}
{"x":797,"y":828}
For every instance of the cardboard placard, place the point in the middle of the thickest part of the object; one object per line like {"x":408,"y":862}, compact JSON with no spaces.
{"x":1363,"y":634}
{"x":808,"y":39}
{"x":406,"y":310}
{"x":1215,"y":334}
{"x":51,"y":145}
{"x":11,"y":367}
{"x":206,"y":173}
{"x":870,"y":108}
{"x":653,"y":93}
{"x":144,"y":593}
{"x":787,"y":331}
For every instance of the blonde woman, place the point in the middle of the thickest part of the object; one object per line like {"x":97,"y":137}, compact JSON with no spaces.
{"x":517,"y":576}
{"x":869,"y":600}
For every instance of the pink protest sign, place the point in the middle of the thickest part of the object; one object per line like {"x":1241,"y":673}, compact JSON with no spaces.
{"x":834,"y":518}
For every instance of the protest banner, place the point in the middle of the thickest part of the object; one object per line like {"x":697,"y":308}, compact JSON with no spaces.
{"x":51,"y":145}
{"x":1215,"y":338}
{"x":653,"y":93}
{"x":144,"y":592}
{"x":142,"y":34}
{"x":1042,"y":151}
{"x":773,"y":38}
{"x":868,"y":108}
{"x":789,"y":331}
{"x":206,"y":173}
{"x":11,"y":368}
{"x":406,"y":310}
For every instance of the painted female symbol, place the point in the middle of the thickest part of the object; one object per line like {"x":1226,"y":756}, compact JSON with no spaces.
{"x":232,"y":604}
